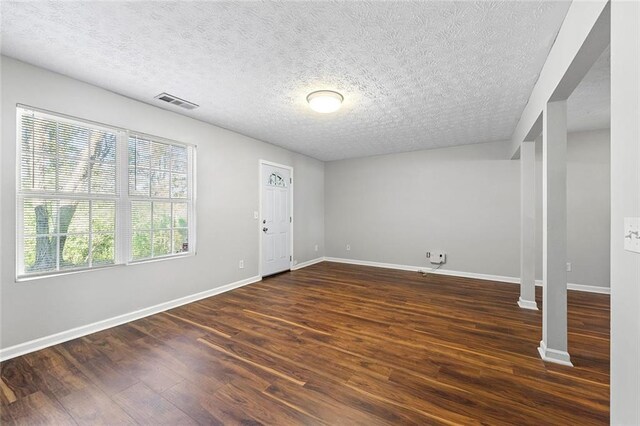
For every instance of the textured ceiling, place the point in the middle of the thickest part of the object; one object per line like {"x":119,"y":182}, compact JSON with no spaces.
{"x":415,"y":75}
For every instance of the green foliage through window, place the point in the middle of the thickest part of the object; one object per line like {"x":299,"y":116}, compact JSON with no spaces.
{"x":70,"y":204}
{"x":158,"y":185}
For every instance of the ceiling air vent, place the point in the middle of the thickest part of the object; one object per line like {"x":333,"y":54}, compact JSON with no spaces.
{"x":174,"y":100}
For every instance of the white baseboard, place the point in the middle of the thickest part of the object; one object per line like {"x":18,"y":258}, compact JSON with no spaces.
{"x":500,"y":278}
{"x":582,"y":287}
{"x":424,"y":268}
{"x":307,"y":263}
{"x":374,"y":264}
{"x":74,"y":333}
{"x":528,"y":304}
{"x":554,"y":355}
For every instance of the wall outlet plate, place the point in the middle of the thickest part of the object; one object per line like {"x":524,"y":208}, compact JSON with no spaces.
{"x":437,"y":257}
{"x":632,"y":234}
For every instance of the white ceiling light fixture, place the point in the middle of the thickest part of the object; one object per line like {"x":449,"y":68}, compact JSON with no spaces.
{"x":325,"y":101}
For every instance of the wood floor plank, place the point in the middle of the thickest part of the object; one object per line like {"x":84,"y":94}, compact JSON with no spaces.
{"x":262,"y":362}
{"x":8,"y":396}
{"x":197,"y":401}
{"x":36,"y":409}
{"x":101,"y":371}
{"x":263,"y":409}
{"x":20,"y":380}
{"x":91,"y":406}
{"x":194,"y":323}
{"x":320,"y":406}
{"x":328,"y":344}
{"x":149,"y":408}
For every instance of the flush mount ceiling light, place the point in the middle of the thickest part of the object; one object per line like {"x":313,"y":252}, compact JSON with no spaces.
{"x":325,"y":101}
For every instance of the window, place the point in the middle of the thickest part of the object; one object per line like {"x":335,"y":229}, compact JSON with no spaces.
{"x":276,"y":180}
{"x":79,"y":209}
{"x":159,"y":189}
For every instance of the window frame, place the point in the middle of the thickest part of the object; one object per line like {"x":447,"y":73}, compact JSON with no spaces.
{"x":123,"y":220}
{"x":190,"y":200}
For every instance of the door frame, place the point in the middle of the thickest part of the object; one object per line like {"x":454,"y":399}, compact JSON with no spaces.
{"x":262,"y":163}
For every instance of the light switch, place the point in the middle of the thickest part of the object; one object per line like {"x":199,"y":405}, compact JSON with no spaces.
{"x":632,"y":234}
{"x":255,"y":214}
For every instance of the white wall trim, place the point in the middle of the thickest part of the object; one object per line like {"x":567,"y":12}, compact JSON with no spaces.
{"x":527,"y":304}
{"x":554,"y":355}
{"x":307,"y":263}
{"x":74,"y":333}
{"x":583,"y":287}
{"x":500,"y":278}
{"x":374,"y":264}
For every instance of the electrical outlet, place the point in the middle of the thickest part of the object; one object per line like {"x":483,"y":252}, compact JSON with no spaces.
{"x":348,"y":247}
{"x":315,"y":247}
{"x":241,"y":264}
{"x":568,"y":266}
{"x":437,"y":257}
{"x":632,"y":234}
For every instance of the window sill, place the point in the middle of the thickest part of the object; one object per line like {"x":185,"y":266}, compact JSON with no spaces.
{"x":43,"y":275}
{"x":161,"y":258}
{"x":33,"y":277}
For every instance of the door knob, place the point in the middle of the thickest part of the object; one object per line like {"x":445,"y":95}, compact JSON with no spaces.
{"x":265,"y":229}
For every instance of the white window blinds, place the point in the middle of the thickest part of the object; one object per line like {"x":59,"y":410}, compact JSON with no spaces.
{"x":72,"y":214}
{"x":67,"y":194}
{"x":159,"y":187}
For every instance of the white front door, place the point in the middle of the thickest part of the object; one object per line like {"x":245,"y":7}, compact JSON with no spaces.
{"x":275,"y":220}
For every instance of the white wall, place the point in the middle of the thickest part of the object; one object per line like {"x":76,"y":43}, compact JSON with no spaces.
{"x":227,"y":179}
{"x":625,"y":202}
{"x":466,"y":201}
{"x":588,"y":207}
{"x":393,"y":208}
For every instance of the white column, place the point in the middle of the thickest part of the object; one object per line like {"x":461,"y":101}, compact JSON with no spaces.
{"x":553,"y":346}
{"x":625,"y":202}
{"x":528,"y":226}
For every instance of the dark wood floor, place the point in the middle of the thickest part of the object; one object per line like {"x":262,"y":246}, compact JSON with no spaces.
{"x":329,"y":344}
